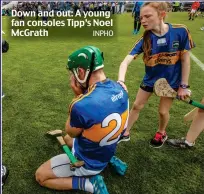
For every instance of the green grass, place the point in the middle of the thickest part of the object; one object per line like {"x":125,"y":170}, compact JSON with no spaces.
{"x":36,"y":86}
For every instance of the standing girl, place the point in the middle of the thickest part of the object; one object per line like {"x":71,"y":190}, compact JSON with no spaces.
{"x":165,"y":49}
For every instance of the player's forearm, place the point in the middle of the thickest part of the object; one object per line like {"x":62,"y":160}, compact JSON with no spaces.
{"x":67,"y":126}
{"x":185,"y":68}
{"x":72,"y":131}
{"x":122,"y":72}
{"x":124,"y":66}
{"x":185,"y":73}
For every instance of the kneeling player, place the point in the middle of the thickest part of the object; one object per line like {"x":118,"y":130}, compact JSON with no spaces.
{"x":98,"y":117}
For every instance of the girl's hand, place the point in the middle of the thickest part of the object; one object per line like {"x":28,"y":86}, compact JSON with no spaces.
{"x":123,"y":85}
{"x":183,"y":93}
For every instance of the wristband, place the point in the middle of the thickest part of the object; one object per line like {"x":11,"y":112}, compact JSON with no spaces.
{"x":121,"y":81}
{"x":184,"y":86}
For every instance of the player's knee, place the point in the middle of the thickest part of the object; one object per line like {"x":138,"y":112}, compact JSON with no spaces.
{"x":163,"y":113}
{"x":39,"y":177}
{"x":137,"y":107}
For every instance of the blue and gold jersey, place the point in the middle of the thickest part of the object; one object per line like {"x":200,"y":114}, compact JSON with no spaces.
{"x":102,"y":113}
{"x":165,"y":59}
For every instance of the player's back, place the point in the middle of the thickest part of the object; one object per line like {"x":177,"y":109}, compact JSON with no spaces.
{"x":103,"y":114}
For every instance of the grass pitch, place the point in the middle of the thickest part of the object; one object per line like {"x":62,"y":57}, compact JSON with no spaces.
{"x":36,"y":85}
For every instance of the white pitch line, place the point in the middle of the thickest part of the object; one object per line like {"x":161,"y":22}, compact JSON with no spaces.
{"x":197,"y":61}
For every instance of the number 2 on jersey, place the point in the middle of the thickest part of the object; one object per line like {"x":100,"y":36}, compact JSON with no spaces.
{"x":106,"y":122}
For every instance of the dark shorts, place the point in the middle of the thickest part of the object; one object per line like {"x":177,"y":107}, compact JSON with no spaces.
{"x":150,"y":89}
{"x":146,"y":88}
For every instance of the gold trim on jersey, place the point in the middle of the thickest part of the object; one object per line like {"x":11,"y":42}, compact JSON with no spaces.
{"x":135,"y":56}
{"x":191,"y":44}
{"x":80,"y":97}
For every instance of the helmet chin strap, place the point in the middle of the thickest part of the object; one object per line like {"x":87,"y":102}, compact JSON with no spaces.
{"x":87,"y":74}
{"x":91,"y":70}
{"x":81,"y":82}
{"x":75,"y":71}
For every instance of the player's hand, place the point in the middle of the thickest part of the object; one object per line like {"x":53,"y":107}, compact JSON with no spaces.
{"x":75,"y":86}
{"x":183,"y":93}
{"x":123,"y":85}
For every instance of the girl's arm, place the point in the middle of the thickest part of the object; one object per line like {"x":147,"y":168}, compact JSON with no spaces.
{"x":123,"y":67}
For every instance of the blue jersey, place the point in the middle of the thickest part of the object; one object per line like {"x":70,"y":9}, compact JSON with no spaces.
{"x":137,"y":6}
{"x":102,"y":113}
{"x":165,"y":58}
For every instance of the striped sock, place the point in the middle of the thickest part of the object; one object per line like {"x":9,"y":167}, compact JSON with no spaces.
{"x":82,"y":183}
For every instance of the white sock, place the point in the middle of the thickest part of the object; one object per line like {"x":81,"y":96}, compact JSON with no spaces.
{"x":89,"y":186}
{"x":188,"y":143}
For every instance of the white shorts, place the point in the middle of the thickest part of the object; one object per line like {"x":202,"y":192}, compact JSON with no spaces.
{"x":193,"y":10}
{"x":60,"y":165}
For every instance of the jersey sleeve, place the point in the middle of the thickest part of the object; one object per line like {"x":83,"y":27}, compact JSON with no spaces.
{"x":137,"y":49}
{"x":76,"y":118}
{"x":187,"y":41}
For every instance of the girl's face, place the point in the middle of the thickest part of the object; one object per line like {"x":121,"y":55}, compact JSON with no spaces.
{"x":149,"y":18}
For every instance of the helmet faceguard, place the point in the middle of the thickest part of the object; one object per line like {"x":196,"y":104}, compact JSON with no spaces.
{"x":89,"y":58}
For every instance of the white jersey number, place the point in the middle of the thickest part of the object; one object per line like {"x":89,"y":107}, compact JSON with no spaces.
{"x":105,"y":123}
